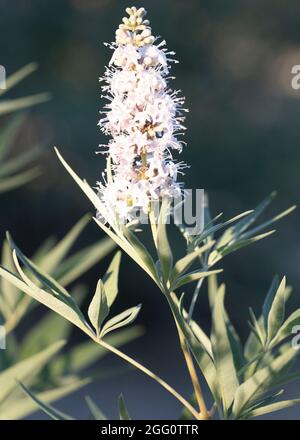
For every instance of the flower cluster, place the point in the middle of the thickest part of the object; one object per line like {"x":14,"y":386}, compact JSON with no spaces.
{"x":143,"y":117}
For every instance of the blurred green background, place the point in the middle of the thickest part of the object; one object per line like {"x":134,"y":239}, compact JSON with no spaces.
{"x":243,"y":141}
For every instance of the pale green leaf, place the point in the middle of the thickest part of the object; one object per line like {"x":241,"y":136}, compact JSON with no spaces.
{"x":163,"y":246}
{"x":94,"y":409}
{"x":277,"y":310}
{"x":77,"y":264}
{"x":120,"y":320}
{"x":45,"y":298}
{"x":48,"y":409}
{"x":273,"y":408}
{"x":269,"y":301}
{"x":123,"y":412}
{"x":23,"y":407}
{"x":98,"y":308}
{"x":10,"y":183}
{"x":110,"y":279}
{"x":259,"y":382}
{"x":54,"y":257}
{"x":12,"y":105}
{"x":194,"y":276}
{"x":18,"y":76}
{"x":223,"y":356}
{"x":26,"y":369}
{"x":287,"y":327}
{"x":142,"y":256}
{"x":10,"y":293}
{"x":184,"y":263}
{"x":9,"y":132}
{"x":44,"y":332}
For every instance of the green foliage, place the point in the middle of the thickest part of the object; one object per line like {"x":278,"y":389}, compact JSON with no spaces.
{"x":237,"y":376}
{"x":50,"y":293}
{"x":13,"y":172}
{"x":64,"y":373}
{"x":26,"y":359}
{"x":242,"y":379}
{"x":12,"y":105}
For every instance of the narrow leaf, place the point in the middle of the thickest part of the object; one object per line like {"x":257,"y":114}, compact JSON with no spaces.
{"x":123,"y":412}
{"x":163,"y":246}
{"x":110,"y":279}
{"x":120,"y":320}
{"x":226,"y":373}
{"x":98,"y":308}
{"x":94,"y":409}
{"x":48,"y":409}
{"x":276,"y":314}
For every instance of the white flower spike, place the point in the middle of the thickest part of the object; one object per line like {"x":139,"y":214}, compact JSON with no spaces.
{"x":144,"y":117}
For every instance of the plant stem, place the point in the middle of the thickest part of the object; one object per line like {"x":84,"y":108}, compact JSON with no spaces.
{"x":172,"y":299}
{"x":204,"y":414}
{"x":205,"y":267}
{"x":191,"y":368}
{"x":194,"y":299}
{"x":152,"y":375}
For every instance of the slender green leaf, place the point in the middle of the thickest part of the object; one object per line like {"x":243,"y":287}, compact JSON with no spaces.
{"x":120,"y":320}
{"x":94,"y":409}
{"x":194,"y":276}
{"x":259,"y":382}
{"x":184,"y":263}
{"x":54,"y":257}
{"x":26,"y":369}
{"x":48,"y":409}
{"x":273,"y":407}
{"x":18,"y":76}
{"x":44,"y":332}
{"x":9,"y":132}
{"x":12,"y":105}
{"x":10,"y":183}
{"x":123,"y":412}
{"x":98,"y":308}
{"x":45,"y":298}
{"x":286,"y":329}
{"x":163,"y":246}
{"x":269,"y":300}
{"x":80,"y":262}
{"x":222,"y":350}
{"x":110,"y":279}
{"x":23,"y":407}
{"x":276,"y":314}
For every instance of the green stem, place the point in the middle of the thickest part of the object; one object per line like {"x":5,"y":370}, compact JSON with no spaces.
{"x":149,"y":373}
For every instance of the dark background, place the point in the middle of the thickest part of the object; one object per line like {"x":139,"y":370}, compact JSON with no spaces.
{"x":243,"y":142}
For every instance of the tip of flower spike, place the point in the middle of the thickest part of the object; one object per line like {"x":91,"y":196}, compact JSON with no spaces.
{"x":134,"y":29}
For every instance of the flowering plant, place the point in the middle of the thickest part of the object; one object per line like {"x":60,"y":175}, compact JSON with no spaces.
{"x":144,"y":118}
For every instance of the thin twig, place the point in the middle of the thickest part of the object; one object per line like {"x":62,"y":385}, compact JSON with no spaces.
{"x":149,"y":373}
{"x":194,"y":299}
{"x":192,"y":372}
